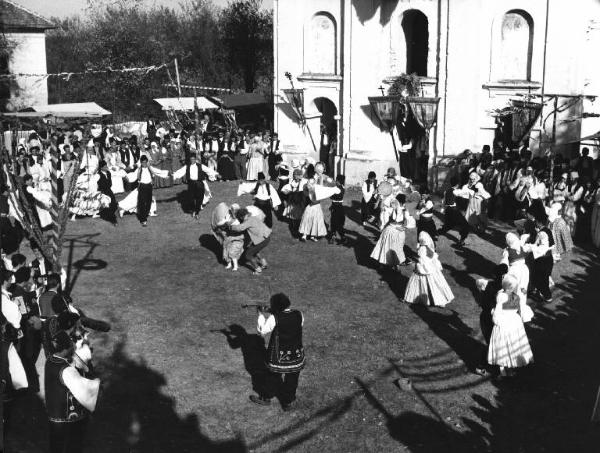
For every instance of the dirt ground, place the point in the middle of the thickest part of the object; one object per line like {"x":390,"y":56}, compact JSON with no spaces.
{"x":174,"y":382}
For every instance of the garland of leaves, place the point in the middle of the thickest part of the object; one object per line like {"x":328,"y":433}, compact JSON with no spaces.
{"x":409,"y":82}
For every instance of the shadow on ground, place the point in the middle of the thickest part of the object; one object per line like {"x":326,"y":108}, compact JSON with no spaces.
{"x":133,"y":416}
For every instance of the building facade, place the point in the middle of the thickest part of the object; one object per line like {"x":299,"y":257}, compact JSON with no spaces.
{"x":474,"y":55}
{"x":25,"y":32}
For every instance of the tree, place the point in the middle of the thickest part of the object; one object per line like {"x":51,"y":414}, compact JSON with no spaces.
{"x":7,"y":85}
{"x":247,"y":33}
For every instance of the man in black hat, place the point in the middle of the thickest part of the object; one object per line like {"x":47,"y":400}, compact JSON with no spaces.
{"x":285,"y":353}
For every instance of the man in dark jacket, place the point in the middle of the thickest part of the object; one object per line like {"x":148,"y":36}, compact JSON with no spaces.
{"x":105,"y":186}
{"x":285,"y":353}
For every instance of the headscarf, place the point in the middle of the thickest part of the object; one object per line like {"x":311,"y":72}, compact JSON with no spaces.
{"x":426,"y":241}
{"x":510,"y":283}
{"x":219,"y":216}
{"x":513,"y":241}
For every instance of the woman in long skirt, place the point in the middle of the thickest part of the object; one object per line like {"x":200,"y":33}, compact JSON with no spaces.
{"x":389,"y":249}
{"x":514,"y":257}
{"x":427,"y":284}
{"x":255,"y":161}
{"x":509,"y":347}
{"x":312,"y":224}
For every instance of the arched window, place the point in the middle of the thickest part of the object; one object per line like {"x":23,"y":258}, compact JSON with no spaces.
{"x":321,"y":52}
{"x":516,"y":44}
{"x":416,"y":34}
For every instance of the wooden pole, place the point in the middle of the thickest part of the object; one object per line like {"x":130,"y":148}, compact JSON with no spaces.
{"x":178,"y":81}
{"x":196,"y":120}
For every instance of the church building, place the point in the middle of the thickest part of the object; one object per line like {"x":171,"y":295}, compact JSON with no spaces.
{"x":491,"y":72}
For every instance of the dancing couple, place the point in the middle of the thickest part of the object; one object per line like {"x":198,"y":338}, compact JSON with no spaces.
{"x":241,"y":232}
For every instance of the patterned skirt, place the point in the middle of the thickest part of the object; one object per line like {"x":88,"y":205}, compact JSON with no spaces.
{"x":233,"y":248}
{"x":509,"y":346}
{"x":389,"y":249}
{"x":428,"y":289}
{"x":85,"y":203}
{"x":563,"y":243}
{"x":313,"y":222}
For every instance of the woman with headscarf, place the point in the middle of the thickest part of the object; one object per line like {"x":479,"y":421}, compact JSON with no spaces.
{"x":427,"y":284}
{"x":476,"y":194}
{"x":509,"y":347}
{"x":386,"y":198}
{"x":255,"y":160}
{"x":389,"y":249}
{"x":514,"y":257}
{"x":312,"y":224}
{"x":223,"y":216}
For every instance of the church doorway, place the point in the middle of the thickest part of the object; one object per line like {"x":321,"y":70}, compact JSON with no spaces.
{"x":416,"y":34}
{"x":328,"y":133}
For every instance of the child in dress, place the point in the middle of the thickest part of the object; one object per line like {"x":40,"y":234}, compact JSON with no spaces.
{"x":233,"y":245}
{"x":427,"y":284}
{"x":509,"y":347}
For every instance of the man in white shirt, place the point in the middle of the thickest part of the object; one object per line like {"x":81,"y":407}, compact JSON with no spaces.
{"x":10,"y":309}
{"x":195,"y":178}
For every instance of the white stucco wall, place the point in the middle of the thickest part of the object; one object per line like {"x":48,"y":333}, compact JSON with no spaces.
{"x":463,"y":54}
{"x":28,"y":57}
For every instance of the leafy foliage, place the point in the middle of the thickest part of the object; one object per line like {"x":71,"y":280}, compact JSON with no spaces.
{"x":247,"y":36}
{"x":124,"y":34}
{"x":409,"y":82}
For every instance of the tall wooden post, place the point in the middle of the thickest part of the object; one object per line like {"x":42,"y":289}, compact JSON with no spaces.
{"x":177,"y":76}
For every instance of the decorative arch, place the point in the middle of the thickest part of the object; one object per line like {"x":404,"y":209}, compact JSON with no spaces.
{"x":416,"y":34}
{"x":320,"y":55}
{"x":514,"y":46}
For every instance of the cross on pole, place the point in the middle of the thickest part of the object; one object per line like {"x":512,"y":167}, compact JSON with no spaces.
{"x":382,"y":90}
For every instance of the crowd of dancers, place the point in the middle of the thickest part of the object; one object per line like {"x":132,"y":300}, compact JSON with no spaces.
{"x":546,"y":204}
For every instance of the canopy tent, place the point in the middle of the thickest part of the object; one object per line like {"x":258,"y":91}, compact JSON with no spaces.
{"x":187,"y":104}
{"x":73,"y":110}
{"x":236,"y":101}
{"x":595,"y":136}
